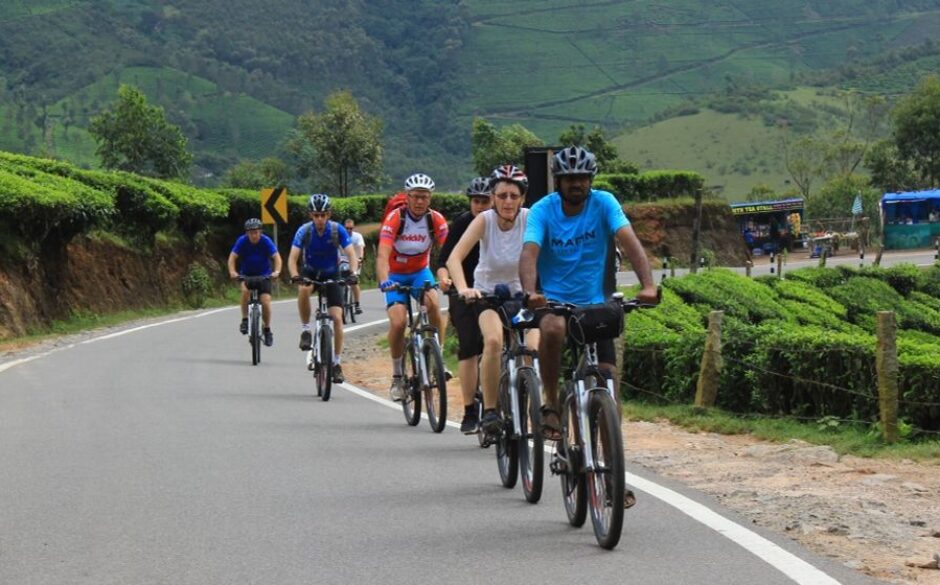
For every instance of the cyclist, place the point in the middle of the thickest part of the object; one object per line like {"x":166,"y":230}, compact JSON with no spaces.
{"x":405,"y":240}
{"x":318,"y":241}
{"x":257,"y":252}
{"x":498,"y":232}
{"x":359,"y":244}
{"x":464,"y":319}
{"x":566,"y":245}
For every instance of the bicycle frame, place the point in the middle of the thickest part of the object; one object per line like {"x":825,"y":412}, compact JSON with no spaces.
{"x":322,"y":314}
{"x":514,"y":352}
{"x":587,"y":361}
{"x":418,"y":327}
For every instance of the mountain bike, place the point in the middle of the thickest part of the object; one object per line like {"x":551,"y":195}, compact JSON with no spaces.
{"x":424,"y":366}
{"x":519,"y":445}
{"x":589,"y":457}
{"x":253,"y":284}
{"x":320,"y":355}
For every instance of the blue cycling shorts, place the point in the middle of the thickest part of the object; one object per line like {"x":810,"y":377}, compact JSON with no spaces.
{"x":413,"y":279}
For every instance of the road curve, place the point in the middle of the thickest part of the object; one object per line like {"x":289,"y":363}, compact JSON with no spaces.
{"x":160,"y":455}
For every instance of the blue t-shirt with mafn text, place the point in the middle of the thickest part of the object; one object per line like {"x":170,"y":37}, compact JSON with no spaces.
{"x":573,"y":249}
{"x":321,"y":254}
{"x":254,"y":259}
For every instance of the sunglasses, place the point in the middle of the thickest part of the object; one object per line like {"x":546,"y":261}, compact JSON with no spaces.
{"x":512,"y":196}
{"x":319,"y":214}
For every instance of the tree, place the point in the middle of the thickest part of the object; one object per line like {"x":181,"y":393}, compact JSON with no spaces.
{"x":248,"y":174}
{"x":339,"y":148}
{"x":493,"y":147}
{"x":804,"y":160}
{"x":917,"y":129}
{"x":834,"y":199}
{"x":889,"y":172}
{"x":136,"y":137}
{"x":595,"y":141}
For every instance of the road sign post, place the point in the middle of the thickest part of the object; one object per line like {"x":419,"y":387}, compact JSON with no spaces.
{"x":274,"y":209}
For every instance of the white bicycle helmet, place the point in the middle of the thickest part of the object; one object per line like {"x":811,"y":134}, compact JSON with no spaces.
{"x":419,"y":181}
{"x":480,"y":187}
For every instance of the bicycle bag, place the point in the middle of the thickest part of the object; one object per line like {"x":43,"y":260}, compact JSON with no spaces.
{"x":592,"y":323}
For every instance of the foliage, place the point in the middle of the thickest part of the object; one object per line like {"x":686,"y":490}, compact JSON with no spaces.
{"x":889,"y":172}
{"x":267,"y":172}
{"x":917,"y":129}
{"x":135,"y":136}
{"x":340,"y":148}
{"x":595,"y":141}
{"x":196,"y":285}
{"x":651,"y":185}
{"x":835,"y":198}
{"x":492,"y":146}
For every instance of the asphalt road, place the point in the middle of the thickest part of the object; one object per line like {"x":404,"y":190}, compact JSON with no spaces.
{"x":158,"y":454}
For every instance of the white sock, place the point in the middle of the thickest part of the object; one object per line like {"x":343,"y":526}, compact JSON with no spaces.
{"x":336,"y":359}
{"x":305,"y":326}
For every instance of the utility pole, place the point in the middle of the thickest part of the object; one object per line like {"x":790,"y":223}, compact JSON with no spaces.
{"x":696,"y":231}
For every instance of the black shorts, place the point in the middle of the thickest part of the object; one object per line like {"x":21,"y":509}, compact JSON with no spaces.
{"x":262,"y":285}
{"x":334,"y":292}
{"x":464,"y":319}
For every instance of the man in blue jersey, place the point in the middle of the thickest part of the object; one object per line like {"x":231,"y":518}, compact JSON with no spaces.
{"x":565,"y":247}
{"x":255,"y":252}
{"x":318,"y":241}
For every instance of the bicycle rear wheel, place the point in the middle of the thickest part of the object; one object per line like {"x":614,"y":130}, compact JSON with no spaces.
{"x":254,"y":337}
{"x":531,"y":443}
{"x":507,"y":453}
{"x":325,"y":367}
{"x":606,"y":482}
{"x":573,"y":485}
{"x":350,"y":305}
{"x":411,"y":401}
{"x":435,"y":394}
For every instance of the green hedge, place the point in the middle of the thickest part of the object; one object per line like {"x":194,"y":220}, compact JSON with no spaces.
{"x":650,"y":185}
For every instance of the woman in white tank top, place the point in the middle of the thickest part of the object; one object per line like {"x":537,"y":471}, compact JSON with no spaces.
{"x":499,"y":231}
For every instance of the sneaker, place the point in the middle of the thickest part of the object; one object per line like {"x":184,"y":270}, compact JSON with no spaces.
{"x":470,"y":424}
{"x":306,"y":339}
{"x":397,"y":389}
{"x":491,"y":424}
{"x":338,"y":374}
{"x":268,"y":337}
{"x":448,"y":375}
{"x":357,"y":309}
{"x":243,"y":327}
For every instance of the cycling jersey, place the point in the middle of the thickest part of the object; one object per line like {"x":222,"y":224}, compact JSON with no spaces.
{"x":410,"y":240}
{"x":359,"y":244}
{"x":320,"y":253}
{"x":254,"y":259}
{"x":573,"y":249}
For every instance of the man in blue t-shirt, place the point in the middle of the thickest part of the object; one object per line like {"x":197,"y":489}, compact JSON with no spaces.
{"x":318,"y":242}
{"x":565,"y":248}
{"x":255,"y":252}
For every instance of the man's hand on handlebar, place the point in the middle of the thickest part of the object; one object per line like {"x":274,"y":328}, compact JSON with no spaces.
{"x":535,"y":301}
{"x":650,"y":295}
{"x":470,"y":294}
{"x":352,"y":279}
{"x":388,"y":285}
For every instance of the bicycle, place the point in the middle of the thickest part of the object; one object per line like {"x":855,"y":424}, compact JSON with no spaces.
{"x":320,"y":355}
{"x":349,"y":304}
{"x":589,"y":457}
{"x":519,"y":445}
{"x":253,"y":283}
{"x":424,"y":365}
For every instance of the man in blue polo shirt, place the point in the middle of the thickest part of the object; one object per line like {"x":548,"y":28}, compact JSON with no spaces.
{"x":255,"y":251}
{"x":565,"y":247}
{"x":318,"y":242}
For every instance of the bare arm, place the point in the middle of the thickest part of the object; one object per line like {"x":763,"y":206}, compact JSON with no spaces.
{"x":635,"y":253}
{"x":292,"y":261}
{"x":467,"y":241}
{"x":381,"y":262}
{"x":353,"y":256}
{"x":232,"y":257}
{"x":277,"y":265}
{"x":527,"y":266}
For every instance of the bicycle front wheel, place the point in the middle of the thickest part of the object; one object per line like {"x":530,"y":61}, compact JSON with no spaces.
{"x":531,"y":443}
{"x":435,"y":393}
{"x":573,"y":488}
{"x":325,"y":367}
{"x":606,"y":482}
{"x":254,"y":328}
{"x":507,"y":454}
{"x":411,"y":401}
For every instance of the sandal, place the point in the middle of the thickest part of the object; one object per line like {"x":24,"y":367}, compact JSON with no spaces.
{"x":551,"y":423}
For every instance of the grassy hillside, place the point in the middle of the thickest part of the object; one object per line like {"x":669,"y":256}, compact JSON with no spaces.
{"x":234,"y":73}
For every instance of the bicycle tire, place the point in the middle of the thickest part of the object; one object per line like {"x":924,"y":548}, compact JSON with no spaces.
{"x":325,"y":368}
{"x":435,"y":394}
{"x":350,"y":303}
{"x":606,"y":483}
{"x":254,"y":337}
{"x":507,"y":453}
{"x":478,"y":405}
{"x":573,"y":484}
{"x":531,"y":443}
{"x":411,"y":401}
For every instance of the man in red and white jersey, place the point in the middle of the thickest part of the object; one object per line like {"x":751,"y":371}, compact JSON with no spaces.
{"x":405,"y":242}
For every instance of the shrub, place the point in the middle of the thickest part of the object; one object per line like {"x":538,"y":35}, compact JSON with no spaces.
{"x":822,"y":278}
{"x":196,"y":285}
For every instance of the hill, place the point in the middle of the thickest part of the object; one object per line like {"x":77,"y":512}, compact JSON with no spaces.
{"x":235,"y":73}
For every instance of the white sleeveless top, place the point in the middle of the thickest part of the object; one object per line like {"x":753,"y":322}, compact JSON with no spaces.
{"x":499,"y":253}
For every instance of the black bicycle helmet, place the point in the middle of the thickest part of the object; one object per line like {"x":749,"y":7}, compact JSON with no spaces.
{"x":510,"y":173}
{"x":480,"y":187}
{"x":253,"y":224}
{"x":574,"y":160}
{"x":319,"y":202}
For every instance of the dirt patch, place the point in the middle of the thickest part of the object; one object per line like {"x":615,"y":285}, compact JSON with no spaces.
{"x":876,"y":516}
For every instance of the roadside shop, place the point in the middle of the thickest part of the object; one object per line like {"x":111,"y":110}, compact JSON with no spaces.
{"x":769,"y":226}
{"x":911,"y":219}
